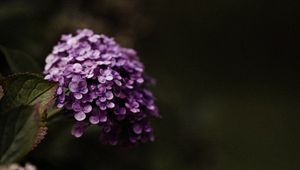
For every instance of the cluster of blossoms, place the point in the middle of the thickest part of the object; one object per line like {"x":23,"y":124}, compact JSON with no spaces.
{"x":27,"y":166}
{"x":102,"y":83}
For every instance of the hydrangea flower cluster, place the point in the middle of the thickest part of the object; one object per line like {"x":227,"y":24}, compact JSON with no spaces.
{"x":102,"y":83}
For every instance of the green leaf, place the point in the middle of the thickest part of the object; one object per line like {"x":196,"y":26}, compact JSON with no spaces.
{"x":22,"y":112}
{"x":27,"y":89}
{"x":18,"y":131}
{"x":19,"y":61}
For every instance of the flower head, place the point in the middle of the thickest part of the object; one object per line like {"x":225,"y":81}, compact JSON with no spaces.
{"x":103,"y":84}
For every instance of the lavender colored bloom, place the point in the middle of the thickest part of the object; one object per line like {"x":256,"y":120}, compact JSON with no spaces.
{"x":103,"y":84}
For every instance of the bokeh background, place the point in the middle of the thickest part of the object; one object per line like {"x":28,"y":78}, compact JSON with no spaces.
{"x":228,"y":80}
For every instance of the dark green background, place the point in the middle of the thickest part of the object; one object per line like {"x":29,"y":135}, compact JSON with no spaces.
{"x":228,"y":80}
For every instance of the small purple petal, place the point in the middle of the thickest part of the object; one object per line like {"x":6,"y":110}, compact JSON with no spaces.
{"x":73,"y":86}
{"x":87,"y":108}
{"x":109,"y":95}
{"x":137,"y":129}
{"x":59,"y":105}
{"x":76,"y":78}
{"x":109,"y":77}
{"x":80,"y":116}
{"x":118,"y":82}
{"x":111,"y":105}
{"x":140,"y":80}
{"x":78,"y":95}
{"x":76,"y":106}
{"x":94,"y":119}
{"x":102,"y":118}
{"x":101,"y":79}
{"x":59,"y":90}
{"x":78,"y":129}
{"x":77,"y":133}
{"x":77,"y":67}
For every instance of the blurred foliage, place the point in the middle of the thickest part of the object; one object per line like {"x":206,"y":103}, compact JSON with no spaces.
{"x":18,"y":62}
{"x":35,"y":26}
{"x":227,"y":80}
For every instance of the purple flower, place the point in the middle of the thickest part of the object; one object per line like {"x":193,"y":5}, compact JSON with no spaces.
{"x":103,"y":84}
